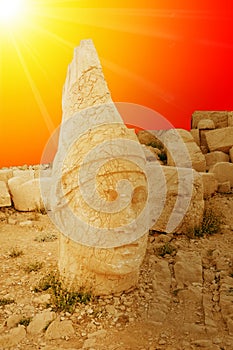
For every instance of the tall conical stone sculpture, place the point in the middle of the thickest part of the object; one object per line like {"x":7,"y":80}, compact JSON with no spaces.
{"x":100,"y":189}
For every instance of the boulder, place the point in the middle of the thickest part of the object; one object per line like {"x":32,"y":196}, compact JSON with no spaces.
{"x":26,"y":174}
{"x":196,"y":136}
{"x":210,"y":184}
{"x":186,"y":187}
{"x":13,"y":338}
{"x":215,"y":157}
{"x":5,"y":198}
{"x":220,"y":139}
{"x":206,"y":124}
{"x":223,"y":172}
{"x":220,"y":118}
{"x":40,"y":322}
{"x":26,"y":194}
{"x":182,"y":150}
{"x":5,"y":175}
{"x":59,"y":330}
{"x":224,"y":187}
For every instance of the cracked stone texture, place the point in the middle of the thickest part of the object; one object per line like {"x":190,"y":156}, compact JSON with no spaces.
{"x":102,"y":270}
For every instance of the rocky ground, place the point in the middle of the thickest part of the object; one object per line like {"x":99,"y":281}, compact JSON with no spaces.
{"x":184,"y":299}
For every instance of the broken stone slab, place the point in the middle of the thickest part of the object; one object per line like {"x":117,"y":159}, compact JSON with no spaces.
{"x":59,"y":329}
{"x":210,"y":184}
{"x":206,"y":124}
{"x":186,"y":214}
{"x":220,"y":118}
{"x":178,"y":142}
{"x":188,"y":269}
{"x":223,"y":172}
{"x":5,"y":175}
{"x":40,"y":322}
{"x":215,"y":157}
{"x":26,"y":194}
{"x":196,"y":136}
{"x":5,"y":198}
{"x":220,"y":139}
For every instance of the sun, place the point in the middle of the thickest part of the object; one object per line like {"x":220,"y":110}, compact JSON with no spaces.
{"x":11,"y":11}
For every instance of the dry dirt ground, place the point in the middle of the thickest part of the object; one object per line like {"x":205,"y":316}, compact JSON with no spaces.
{"x":184,"y":300}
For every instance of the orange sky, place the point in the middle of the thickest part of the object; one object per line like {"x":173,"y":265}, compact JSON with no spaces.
{"x":166,"y":55}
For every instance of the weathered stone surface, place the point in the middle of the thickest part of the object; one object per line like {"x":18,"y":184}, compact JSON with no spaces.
{"x":210,"y":184}
{"x":188,"y":269}
{"x":224,"y":187}
{"x":13,"y":338}
{"x":196,"y":136}
{"x":220,"y":139}
{"x":187,"y":185}
{"x":204,"y":146}
{"x":223,"y":172}
{"x":161,"y":285}
{"x":204,"y":124}
{"x":26,"y":174}
{"x":5,"y":198}
{"x":220,"y":118}
{"x":231,"y":154}
{"x":177,"y":143}
{"x":230,"y":118}
{"x":146,"y":137}
{"x":40,"y":322}
{"x":26,"y":194}
{"x":101,"y":270}
{"x":5,"y":175}
{"x":13,"y":321}
{"x":215,"y":157}
{"x":59,"y":330}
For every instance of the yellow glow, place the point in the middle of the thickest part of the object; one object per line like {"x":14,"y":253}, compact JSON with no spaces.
{"x":11,"y":10}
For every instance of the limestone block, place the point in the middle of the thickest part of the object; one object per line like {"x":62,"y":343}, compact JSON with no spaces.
{"x":231,"y":154}
{"x":177,"y":142}
{"x":220,"y":139}
{"x":204,"y":145}
{"x":220,"y":118}
{"x":188,"y":269}
{"x":224,"y":187}
{"x":196,"y":136}
{"x":187,"y":185}
{"x":5,"y":198}
{"x":210,"y":184}
{"x":26,"y":174}
{"x":146,"y":137}
{"x":215,"y":157}
{"x":223,"y":172}
{"x":26,"y":194}
{"x":13,"y":338}
{"x":96,"y":254}
{"x":5,"y":175}
{"x":206,"y":124}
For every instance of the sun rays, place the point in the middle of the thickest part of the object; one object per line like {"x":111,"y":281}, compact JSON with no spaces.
{"x":41,"y":21}
{"x":142,"y":47}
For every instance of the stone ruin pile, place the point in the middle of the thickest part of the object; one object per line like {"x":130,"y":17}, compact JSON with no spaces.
{"x":198,"y":163}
